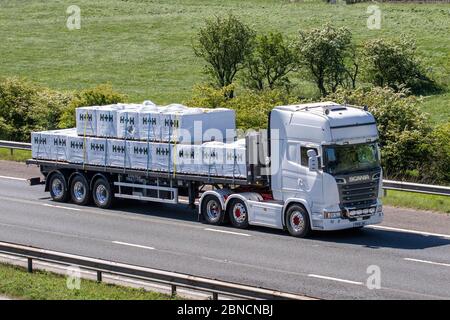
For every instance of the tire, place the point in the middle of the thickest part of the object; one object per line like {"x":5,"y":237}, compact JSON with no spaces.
{"x":79,"y":190}
{"x":102,"y":193}
{"x":212,"y":210}
{"x":58,"y":188}
{"x":238,"y":213}
{"x":297,"y":221}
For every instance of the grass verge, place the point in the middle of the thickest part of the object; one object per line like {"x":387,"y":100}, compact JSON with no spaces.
{"x":417,"y":201}
{"x":16,"y":282}
{"x":17,"y":155}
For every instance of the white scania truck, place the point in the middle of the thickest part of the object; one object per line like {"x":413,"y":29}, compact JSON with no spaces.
{"x":317,"y":167}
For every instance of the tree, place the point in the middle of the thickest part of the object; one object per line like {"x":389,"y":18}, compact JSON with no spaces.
{"x":394,"y":63}
{"x":271,"y":60}
{"x":323,"y":53}
{"x":224,"y":43}
{"x":26,"y":107}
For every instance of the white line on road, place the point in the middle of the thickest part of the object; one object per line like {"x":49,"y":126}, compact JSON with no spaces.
{"x":13,"y":178}
{"x":229,"y":232}
{"x":59,"y":207}
{"x":429,"y":262}
{"x":335,"y":279}
{"x":133,"y":245}
{"x":411,"y":231}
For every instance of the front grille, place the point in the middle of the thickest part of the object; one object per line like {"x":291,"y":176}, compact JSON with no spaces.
{"x":359,"y":195}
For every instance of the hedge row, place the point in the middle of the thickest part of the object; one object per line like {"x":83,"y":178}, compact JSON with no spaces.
{"x":412,"y":148}
{"x":27,"y":107}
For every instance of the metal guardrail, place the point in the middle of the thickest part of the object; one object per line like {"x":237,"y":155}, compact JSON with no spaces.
{"x":212,"y":286}
{"x":15,"y":145}
{"x":12,"y":145}
{"x":387,"y":184}
{"x":416,"y":187}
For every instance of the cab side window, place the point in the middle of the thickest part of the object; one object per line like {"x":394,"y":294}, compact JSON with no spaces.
{"x":304,"y":155}
{"x":292,"y":152}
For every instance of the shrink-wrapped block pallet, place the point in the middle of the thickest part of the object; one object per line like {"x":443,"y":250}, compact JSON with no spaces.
{"x":173,"y":123}
{"x":50,"y":145}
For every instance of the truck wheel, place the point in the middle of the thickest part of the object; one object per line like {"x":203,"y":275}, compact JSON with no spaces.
{"x":212,"y":210}
{"x":238,"y":213}
{"x":102,"y":194}
{"x":58,"y":188}
{"x":297,"y":221}
{"x":79,"y":190}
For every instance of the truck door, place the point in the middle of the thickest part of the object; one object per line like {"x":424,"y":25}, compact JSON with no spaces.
{"x":297,"y":180}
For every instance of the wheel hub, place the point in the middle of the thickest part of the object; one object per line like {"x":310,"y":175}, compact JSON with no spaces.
{"x":297,"y":221}
{"x":239,"y":212}
{"x":79,"y":191}
{"x":213,"y":210}
{"x":101,"y":194}
{"x":57,"y":187}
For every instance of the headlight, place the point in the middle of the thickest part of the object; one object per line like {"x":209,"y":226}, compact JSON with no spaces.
{"x":331,"y":214}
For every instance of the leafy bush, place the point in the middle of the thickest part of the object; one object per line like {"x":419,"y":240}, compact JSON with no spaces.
{"x":26,"y":107}
{"x":394,"y":63}
{"x":252,"y":107}
{"x":97,"y":96}
{"x":403,"y":128}
{"x":438,"y":169}
{"x":224,"y":43}
{"x":271,"y":60}
{"x":323,"y":52}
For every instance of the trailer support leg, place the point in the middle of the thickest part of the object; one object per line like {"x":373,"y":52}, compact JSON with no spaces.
{"x":191,"y":194}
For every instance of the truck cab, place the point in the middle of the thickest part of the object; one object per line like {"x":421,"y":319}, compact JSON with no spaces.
{"x":329,"y":162}
{"x":324,"y":172}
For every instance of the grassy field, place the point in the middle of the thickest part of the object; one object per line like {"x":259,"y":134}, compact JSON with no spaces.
{"x":17,"y":155}
{"x":143,"y":47}
{"x":417,"y":201}
{"x":16,"y":282}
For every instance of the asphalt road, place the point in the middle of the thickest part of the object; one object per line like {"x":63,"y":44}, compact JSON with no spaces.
{"x":411,"y":248}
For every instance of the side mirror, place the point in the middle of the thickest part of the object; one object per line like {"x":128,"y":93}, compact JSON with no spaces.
{"x":313,"y":160}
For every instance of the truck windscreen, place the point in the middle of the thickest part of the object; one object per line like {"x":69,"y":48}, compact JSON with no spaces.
{"x":349,"y":158}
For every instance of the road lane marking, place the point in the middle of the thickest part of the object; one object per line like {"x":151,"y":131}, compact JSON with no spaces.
{"x":59,"y":207}
{"x":127,"y":215}
{"x":228,"y":232}
{"x":424,"y":233}
{"x":335,"y":279}
{"x":429,"y":262}
{"x":13,"y":178}
{"x":133,"y":245}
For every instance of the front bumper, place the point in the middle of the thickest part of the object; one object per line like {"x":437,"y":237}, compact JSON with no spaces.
{"x":340,"y":223}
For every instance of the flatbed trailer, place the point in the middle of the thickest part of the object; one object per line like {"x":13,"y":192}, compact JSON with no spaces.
{"x":316,"y":168}
{"x":127,"y":183}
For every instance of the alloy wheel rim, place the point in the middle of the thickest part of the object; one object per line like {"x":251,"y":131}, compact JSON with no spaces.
{"x":297,"y":221}
{"x":79,"y":191}
{"x":57,"y":187}
{"x":212,"y":210}
{"x":101,"y":194}
{"x":239,"y":212}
